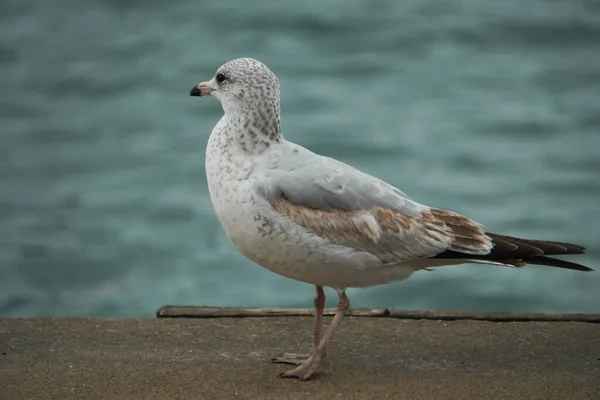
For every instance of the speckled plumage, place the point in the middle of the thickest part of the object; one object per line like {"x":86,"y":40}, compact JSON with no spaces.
{"x":246,"y":157}
{"x":320,"y":221}
{"x":250,"y":168}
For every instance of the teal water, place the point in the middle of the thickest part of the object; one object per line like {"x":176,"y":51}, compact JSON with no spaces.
{"x":487,"y":109}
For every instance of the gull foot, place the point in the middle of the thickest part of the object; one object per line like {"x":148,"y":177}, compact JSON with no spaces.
{"x":305,"y":370}
{"x":290,"y":358}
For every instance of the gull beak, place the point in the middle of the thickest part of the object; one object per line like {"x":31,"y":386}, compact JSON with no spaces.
{"x":201,"y":89}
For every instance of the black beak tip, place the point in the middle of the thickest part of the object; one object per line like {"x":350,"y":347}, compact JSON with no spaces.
{"x":195,"y":91}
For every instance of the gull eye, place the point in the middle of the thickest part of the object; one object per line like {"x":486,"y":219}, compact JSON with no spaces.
{"x":220,"y":78}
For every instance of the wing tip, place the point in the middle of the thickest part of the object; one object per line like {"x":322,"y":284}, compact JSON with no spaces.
{"x":556,"y":262}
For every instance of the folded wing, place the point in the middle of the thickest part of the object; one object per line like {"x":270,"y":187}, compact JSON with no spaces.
{"x":353,"y":209}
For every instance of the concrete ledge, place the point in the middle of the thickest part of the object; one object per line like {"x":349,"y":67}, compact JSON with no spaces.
{"x":228,"y":358}
{"x":444,"y":315}
{"x":237,"y":312}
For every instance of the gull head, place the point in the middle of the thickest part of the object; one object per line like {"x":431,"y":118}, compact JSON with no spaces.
{"x":241,"y":84}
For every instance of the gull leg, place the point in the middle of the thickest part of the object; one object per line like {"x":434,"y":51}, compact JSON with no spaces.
{"x":319,"y":303}
{"x":298,"y":358}
{"x":309,"y":366}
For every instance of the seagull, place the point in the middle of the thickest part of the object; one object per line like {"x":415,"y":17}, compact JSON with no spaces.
{"x":317,"y":220}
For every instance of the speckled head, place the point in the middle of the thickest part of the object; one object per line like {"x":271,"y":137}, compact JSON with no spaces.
{"x":240,"y":84}
{"x":249,"y":94}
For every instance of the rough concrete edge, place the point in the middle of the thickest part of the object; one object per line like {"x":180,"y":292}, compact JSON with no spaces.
{"x":445,"y":315}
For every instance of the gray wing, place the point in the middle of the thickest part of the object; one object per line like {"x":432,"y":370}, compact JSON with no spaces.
{"x":354,"y":209}
{"x":324,"y":183}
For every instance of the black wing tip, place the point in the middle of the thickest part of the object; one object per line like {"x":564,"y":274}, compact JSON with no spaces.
{"x":569,"y":248}
{"x":582,"y":268}
{"x":579,"y":250}
{"x":555,"y":262}
{"x":527,"y":248}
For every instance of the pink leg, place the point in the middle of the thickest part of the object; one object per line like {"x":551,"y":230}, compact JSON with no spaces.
{"x":319,"y":303}
{"x":309,"y":366}
{"x":298,"y":358}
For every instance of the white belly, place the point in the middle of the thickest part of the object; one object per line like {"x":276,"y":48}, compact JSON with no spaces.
{"x":274,"y":241}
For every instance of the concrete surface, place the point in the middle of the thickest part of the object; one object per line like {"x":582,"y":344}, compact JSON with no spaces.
{"x":228,"y":358}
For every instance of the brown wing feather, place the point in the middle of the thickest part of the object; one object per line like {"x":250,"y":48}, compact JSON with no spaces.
{"x":338,"y":226}
{"x":469,"y":236}
{"x":388,"y":234}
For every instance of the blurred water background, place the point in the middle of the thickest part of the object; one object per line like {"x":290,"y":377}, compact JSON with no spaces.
{"x":491,"y":109}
